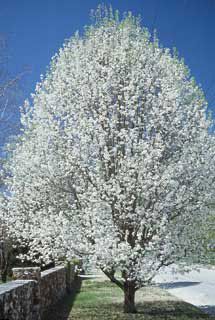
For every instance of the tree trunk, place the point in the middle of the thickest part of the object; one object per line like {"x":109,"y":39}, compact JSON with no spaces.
{"x":4,"y":276}
{"x":129,"y":297}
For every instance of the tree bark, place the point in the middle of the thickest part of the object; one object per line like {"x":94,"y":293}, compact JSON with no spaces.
{"x":129,"y":297}
{"x":4,"y":276}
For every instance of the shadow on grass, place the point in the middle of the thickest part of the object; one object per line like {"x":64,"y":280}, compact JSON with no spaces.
{"x":62,"y":309}
{"x":158,"y":310}
{"x":177,"y":284}
{"x":146,"y":311}
{"x":170,"y":310}
{"x":103,"y":301}
{"x":208,"y":309}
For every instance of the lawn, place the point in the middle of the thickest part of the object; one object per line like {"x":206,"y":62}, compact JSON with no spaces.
{"x":103,"y":301}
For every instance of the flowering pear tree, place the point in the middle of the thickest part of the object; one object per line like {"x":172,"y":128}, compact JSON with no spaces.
{"x":116,"y":161}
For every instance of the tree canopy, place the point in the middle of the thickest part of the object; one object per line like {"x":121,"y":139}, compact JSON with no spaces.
{"x":115,"y":161}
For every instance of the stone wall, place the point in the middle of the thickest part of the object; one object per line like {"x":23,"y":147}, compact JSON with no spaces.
{"x":17,"y":301}
{"x":33,"y":292}
{"x":52,"y":287}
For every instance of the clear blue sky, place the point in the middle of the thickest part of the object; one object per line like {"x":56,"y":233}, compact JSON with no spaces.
{"x":37,"y":28}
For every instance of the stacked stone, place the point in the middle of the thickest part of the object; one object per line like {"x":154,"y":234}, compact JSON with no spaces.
{"x":34,"y":292}
{"x":33,"y":274}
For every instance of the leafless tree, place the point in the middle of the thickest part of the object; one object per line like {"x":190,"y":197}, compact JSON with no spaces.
{"x":10,"y":93}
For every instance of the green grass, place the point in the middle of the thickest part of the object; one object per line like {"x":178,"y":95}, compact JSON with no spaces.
{"x":8,"y":279}
{"x":103,"y":301}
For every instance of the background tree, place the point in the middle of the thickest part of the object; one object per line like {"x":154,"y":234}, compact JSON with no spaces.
{"x":115,"y":160}
{"x":7,"y":252}
{"x":10,"y":94}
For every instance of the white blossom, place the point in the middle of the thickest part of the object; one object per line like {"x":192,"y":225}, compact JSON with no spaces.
{"x":115,"y":160}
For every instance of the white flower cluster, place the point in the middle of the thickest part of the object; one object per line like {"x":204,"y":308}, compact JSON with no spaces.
{"x":115,"y":160}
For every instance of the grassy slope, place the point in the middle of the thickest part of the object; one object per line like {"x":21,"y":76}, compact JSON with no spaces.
{"x":103,"y":301}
